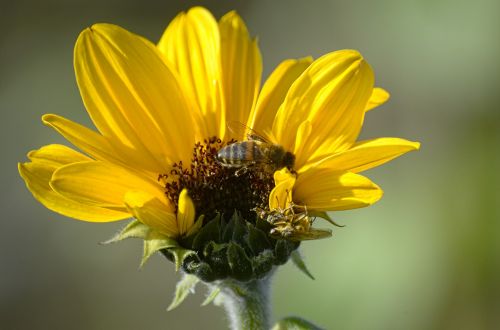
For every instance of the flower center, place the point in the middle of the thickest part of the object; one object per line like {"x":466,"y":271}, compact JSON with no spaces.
{"x":217,"y":189}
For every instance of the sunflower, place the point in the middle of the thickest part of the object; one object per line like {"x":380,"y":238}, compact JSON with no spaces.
{"x":162,"y":112}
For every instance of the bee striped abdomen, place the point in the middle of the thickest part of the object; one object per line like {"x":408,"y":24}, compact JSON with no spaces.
{"x":240,"y":153}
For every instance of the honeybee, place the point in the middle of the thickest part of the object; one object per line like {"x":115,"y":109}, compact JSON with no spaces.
{"x":292,"y":225}
{"x":255,"y":151}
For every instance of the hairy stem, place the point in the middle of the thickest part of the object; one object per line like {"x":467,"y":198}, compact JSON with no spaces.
{"x":246,"y":303}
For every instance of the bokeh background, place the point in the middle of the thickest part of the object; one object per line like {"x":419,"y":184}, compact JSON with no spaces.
{"x":427,"y":256}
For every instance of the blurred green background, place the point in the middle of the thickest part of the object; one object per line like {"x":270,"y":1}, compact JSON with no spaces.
{"x":427,"y":256}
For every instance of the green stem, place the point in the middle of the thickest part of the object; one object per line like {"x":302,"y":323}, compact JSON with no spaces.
{"x":246,"y":303}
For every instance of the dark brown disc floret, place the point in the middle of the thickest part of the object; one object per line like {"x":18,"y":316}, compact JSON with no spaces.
{"x":216,"y":189}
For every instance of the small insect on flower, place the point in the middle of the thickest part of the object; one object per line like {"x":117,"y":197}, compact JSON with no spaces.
{"x":256,"y":151}
{"x":292,"y":223}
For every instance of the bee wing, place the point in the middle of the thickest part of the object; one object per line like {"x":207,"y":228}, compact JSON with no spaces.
{"x":239,"y":128}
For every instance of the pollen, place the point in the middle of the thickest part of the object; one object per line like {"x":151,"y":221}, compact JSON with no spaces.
{"x":216,"y":189}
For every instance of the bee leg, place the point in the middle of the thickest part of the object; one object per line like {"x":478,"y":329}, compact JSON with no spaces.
{"x":244,"y":169}
{"x":241,"y":171}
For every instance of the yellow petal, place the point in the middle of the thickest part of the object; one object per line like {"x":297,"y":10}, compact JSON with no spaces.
{"x":185,"y":213}
{"x":331,"y":93}
{"x":82,"y":137}
{"x":152,"y":212}
{"x":368,"y":154}
{"x":273,"y":93}
{"x":96,"y":145}
{"x":191,"y":43}
{"x":38,"y":173}
{"x":241,"y":69}
{"x":57,"y":155}
{"x":132,"y":96}
{"x":379,"y":96}
{"x":329,"y":190}
{"x":303,"y":132}
{"x":281,"y":195}
{"x":101,"y":184}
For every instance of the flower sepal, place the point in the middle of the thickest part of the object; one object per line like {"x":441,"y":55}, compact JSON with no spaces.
{"x":134,"y":229}
{"x":324,"y":216}
{"x":298,"y":261}
{"x":153,"y":240}
{"x":184,"y":287}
